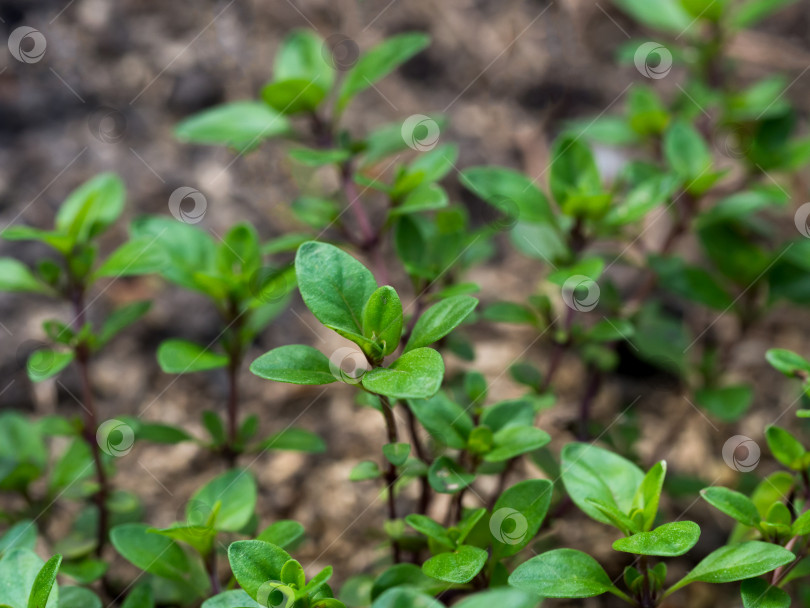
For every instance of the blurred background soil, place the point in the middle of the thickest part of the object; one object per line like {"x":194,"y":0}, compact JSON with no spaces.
{"x":117,"y":76}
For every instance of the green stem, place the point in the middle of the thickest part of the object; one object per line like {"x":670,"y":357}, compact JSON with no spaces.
{"x":391,"y":473}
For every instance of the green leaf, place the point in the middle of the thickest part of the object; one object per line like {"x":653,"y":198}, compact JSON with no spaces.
{"x":448,"y":477}
{"x":378,"y":62}
{"x":150,"y":552}
{"x":43,"y":583}
{"x":242,"y":125}
{"x":445,"y":420}
{"x":431,"y":529}
{"x":86,"y":571}
{"x":417,"y":374}
{"x":284,"y":533}
{"x":728,"y":403}
{"x":364,"y":471}
{"x":234,"y":491}
{"x":439,"y":320}
{"x":518,"y":514}
{"x":334,"y":286}
{"x":294,"y":363}
{"x":648,"y":495}
{"x":690,"y":282}
{"x":22,"y":535}
{"x":785,"y":447}
{"x":733,"y":504}
{"x":510,"y":312}
{"x":424,"y":198}
{"x":318,"y":158}
{"x":59,"y":241}
{"x":748,"y":13}
{"x":232,"y":599}
{"x":16,"y":277}
{"x":642,"y":199}
{"x":75,"y":465}
{"x":665,"y":15}
{"x":184,"y":357}
{"x":255,"y":562}
{"x":757,"y":593}
{"x":397,"y":453}
{"x":736,"y":562}
{"x":789,"y":363}
{"x":562,"y":573}
{"x":574,"y":179}
{"x":615,"y":517}
{"x":122,"y":318}
{"x":686,"y":151}
{"x":459,"y":566}
{"x":669,"y":540}
{"x":511,"y":193}
{"x":292,"y":439}
{"x":79,"y":597}
{"x":592,"y":472}
{"x":92,"y":207}
{"x":515,"y":440}
{"x":141,"y":596}
{"x":293,"y":95}
{"x":46,"y":363}
{"x":405,"y":597}
{"x":382,"y":319}
{"x":139,"y":256}
{"x":503,"y":596}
